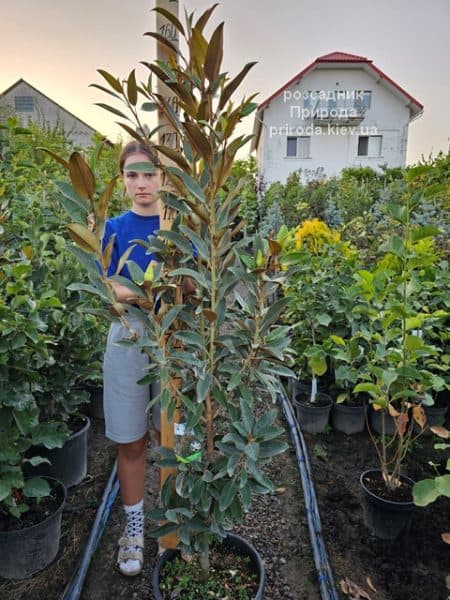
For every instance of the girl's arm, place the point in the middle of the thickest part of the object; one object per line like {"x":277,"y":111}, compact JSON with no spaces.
{"x":123,"y":294}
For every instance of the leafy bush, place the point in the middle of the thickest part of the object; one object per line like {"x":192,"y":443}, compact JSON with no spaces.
{"x":48,"y":343}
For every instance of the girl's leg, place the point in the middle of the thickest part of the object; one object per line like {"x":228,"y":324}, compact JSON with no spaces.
{"x":131,"y":471}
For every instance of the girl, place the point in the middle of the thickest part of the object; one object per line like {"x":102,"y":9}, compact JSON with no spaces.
{"x":125,"y":401}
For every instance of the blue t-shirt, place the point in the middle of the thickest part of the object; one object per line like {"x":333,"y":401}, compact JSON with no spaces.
{"x":129,"y":226}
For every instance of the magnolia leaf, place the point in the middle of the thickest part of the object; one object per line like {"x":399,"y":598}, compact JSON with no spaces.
{"x":401,"y":423}
{"x":350,"y":588}
{"x":272,"y":448}
{"x":81,"y":176}
{"x":36,"y":487}
{"x":84,"y":237}
{"x":397,"y":212}
{"x":104,"y":89}
{"x":175,"y":156}
{"x":324,"y":319}
{"x":370,"y":584}
{"x":170,"y":17}
{"x":105,"y":197}
{"x":107,"y":253}
{"x":134,"y":134}
{"x":204,"y":18}
{"x":392,"y":411}
{"x":425,"y":492}
{"x":190,"y":183}
{"x":5,"y":490}
{"x":318,"y":364}
{"x":371,"y":388}
{"x":426,"y":231}
{"x":210,"y":315}
{"x":233,"y":85}
{"x":443,"y":485}
{"x":198,"y":140}
{"x":228,"y":494}
{"x":132,"y":88}
{"x":198,"y":277}
{"x":163,"y":530}
{"x":419,"y":416}
{"x":440,"y":431}
{"x":124,"y":258}
{"x":214,"y":54}
{"x":113,"y":81}
{"x":337,"y":340}
{"x":165,"y":42}
{"x":55,"y":156}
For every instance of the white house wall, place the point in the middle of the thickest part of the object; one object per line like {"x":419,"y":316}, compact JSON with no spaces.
{"x":47,"y":113}
{"x":333,"y":149}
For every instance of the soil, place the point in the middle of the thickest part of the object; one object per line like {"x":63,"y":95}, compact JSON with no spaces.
{"x":411,"y":568}
{"x":321,"y":399}
{"x":76,"y":423}
{"x":414,"y":566}
{"x":232,"y":575}
{"x":375,"y":484}
{"x":39,"y":511}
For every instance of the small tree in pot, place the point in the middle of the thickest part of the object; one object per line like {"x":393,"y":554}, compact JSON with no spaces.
{"x":218,"y":352}
{"x":395,"y":377}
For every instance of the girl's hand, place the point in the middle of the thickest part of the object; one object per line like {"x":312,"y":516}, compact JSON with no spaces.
{"x":188,"y":286}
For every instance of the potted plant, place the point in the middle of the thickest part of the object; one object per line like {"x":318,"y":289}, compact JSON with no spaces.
{"x":318,"y":265}
{"x":349,"y":409}
{"x":394,"y":378}
{"x":30,"y":508}
{"x":218,"y":354}
{"x":74,"y":344}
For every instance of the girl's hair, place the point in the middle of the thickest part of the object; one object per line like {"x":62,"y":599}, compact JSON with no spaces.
{"x":135,"y":147}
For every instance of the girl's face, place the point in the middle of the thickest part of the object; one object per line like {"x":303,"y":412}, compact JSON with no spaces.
{"x":142,"y":187}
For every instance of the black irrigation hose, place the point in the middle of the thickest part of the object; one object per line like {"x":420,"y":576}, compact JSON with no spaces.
{"x":328,"y":590}
{"x":75,"y":585}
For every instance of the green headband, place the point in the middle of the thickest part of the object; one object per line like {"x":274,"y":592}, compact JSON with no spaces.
{"x":141,"y":167}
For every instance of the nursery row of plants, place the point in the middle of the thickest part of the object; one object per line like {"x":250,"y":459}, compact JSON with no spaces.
{"x":362,"y":312}
{"x":50,"y":346}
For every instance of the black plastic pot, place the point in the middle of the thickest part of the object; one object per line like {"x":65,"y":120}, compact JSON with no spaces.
{"x":385,"y":519}
{"x":303,"y":388}
{"x":435,"y":416}
{"x":69,"y":463}
{"x":349,"y":419}
{"x":26,"y":551}
{"x":376,"y":417}
{"x":313,"y":418}
{"x":232,"y":541}
{"x":96,"y":403}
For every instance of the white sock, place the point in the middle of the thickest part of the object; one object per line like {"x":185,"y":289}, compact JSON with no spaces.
{"x":134,"y":514}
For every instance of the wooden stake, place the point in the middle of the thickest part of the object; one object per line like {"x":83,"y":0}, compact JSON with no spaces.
{"x":167,"y":137}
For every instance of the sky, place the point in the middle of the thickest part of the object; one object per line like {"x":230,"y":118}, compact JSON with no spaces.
{"x":57,"y":46}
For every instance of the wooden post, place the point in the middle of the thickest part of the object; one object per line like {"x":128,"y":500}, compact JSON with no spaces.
{"x":167,"y":137}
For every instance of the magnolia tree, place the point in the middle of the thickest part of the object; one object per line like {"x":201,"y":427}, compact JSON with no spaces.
{"x":218,"y":354}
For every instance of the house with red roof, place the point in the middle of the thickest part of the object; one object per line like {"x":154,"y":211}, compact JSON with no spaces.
{"x":340,"y":111}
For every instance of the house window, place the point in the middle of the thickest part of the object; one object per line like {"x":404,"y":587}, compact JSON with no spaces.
{"x":363,"y":100}
{"x":298,"y":147}
{"x":291,"y":146}
{"x":311,"y":100}
{"x":24,"y":103}
{"x":369,"y":145}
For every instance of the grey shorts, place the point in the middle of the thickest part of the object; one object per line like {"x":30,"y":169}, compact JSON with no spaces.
{"x":124,"y":400}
